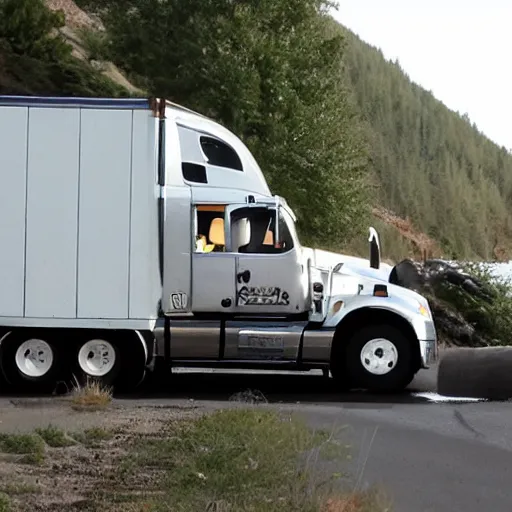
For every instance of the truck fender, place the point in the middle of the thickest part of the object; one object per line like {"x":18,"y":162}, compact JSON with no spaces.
{"x":350,"y":305}
{"x":348,"y":323}
{"x":144,"y":345}
{"x":4,"y":335}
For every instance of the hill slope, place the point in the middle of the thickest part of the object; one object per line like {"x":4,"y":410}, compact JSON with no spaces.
{"x":41,"y":52}
{"x":432,"y":165}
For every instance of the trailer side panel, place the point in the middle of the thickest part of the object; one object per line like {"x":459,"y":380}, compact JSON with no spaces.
{"x":13,"y":166}
{"x":104,"y":213}
{"x":52,"y":201}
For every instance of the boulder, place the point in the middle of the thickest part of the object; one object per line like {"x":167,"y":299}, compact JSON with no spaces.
{"x":476,"y":372}
{"x":460,"y":302}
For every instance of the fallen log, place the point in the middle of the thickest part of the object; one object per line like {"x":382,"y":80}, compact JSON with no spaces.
{"x":476,"y":372}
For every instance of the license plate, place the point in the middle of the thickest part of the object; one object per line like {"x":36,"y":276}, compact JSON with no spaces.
{"x":261,"y":341}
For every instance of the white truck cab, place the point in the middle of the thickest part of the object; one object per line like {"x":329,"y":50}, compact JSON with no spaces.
{"x":144,"y":232}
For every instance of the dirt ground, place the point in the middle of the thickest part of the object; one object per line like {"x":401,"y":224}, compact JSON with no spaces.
{"x":83,"y":455}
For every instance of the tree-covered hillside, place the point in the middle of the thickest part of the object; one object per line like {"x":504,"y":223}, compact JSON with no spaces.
{"x":338,"y":130}
{"x":432,"y":164}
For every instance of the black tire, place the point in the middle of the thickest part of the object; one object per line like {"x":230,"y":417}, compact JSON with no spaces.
{"x":81,"y":374}
{"x":339,"y":373}
{"x":399,"y":372}
{"x":134,"y":358}
{"x":15,"y":377}
{"x":129,"y":368}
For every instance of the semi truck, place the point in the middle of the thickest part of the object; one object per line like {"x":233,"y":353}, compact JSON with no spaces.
{"x":137,"y":234}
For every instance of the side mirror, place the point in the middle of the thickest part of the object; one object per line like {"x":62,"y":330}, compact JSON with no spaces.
{"x":337,"y":267}
{"x":374,"y":248}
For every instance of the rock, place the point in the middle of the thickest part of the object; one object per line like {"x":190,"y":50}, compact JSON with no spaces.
{"x":408,"y":274}
{"x":476,"y":372}
{"x":249,"y":396}
{"x":460,"y":302}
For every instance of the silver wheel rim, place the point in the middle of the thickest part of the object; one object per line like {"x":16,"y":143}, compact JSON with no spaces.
{"x":97,"y":358}
{"x":379,"y":356}
{"x":34,"y":358}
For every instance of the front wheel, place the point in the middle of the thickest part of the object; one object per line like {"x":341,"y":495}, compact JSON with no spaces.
{"x":380,"y":359}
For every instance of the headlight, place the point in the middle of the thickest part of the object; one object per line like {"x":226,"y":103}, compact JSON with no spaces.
{"x":424,"y":311}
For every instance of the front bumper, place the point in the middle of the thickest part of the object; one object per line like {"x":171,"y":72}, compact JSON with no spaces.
{"x":429,"y":352}
{"x":426,"y":334}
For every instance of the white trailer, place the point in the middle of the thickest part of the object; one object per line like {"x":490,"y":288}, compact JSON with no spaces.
{"x":136,"y":230}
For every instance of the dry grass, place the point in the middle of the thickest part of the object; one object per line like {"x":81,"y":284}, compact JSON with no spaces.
{"x":423,"y":244}
{"x":371,"y":501}
{"x":92,"y":396}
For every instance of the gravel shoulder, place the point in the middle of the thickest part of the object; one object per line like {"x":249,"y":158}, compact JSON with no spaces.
{"x":82,"y":454}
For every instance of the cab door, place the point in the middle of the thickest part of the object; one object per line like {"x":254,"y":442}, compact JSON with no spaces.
{"x":269,"y":275}
{"x":213,"y":269}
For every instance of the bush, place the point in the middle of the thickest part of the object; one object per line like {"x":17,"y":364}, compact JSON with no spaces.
{"x":23,"y":74}
{"x":490,"y":316}
{"x":471,"y":305}
{"x":96,"y":43}
{"x":35,"y":58}
{"x":30,"y":29}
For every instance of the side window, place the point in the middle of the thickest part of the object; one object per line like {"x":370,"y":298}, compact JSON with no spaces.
{"x":285,"y":237}
{"x":220,"y":154}
{"x":209,"y":236}
{"x":192,"y":166}
{"x":253,"y":231}
{"x":194,"y":172}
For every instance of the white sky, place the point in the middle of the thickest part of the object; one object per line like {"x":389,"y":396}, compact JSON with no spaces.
{"x":460,"y":50}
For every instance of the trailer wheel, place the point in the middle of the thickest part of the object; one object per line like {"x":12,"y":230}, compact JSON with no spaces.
{"x":116,"y":359}
{"x":380,"y":359}
{"x":97,"y":359}
{"x":29,"y":361}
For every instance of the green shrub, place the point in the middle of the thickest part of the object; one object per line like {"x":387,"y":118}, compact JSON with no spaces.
{"x":30,"y":29}
{"x":23,"y":74}
{"x":54,"y":437}
{"x":488,"y":311}
{"x":96,"y":43}
{"x":5,"y":502}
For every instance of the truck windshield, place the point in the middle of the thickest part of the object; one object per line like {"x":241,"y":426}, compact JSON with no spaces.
{"x":286,"y":220}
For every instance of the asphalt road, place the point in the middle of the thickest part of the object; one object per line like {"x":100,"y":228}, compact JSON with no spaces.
{"x":429,"y":453}
{"x":436,"y":457}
